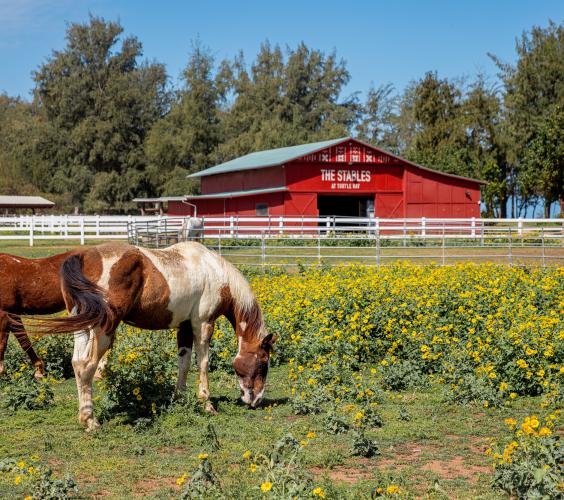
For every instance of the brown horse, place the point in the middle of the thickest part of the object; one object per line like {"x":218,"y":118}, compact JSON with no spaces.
{"x":27,"y":286}
{"x":185,"y":286}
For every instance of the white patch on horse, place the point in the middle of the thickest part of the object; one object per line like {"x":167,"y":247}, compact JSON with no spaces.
{"x":107,"y":264}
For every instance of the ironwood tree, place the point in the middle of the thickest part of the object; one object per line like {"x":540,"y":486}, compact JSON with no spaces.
{"x":98,"y":102}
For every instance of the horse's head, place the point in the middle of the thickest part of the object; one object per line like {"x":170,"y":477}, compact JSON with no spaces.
{"x":251,"y":366}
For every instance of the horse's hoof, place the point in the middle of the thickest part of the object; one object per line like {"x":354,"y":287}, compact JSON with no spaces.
{"x":210,"y":408}
{"x":92,"y":425}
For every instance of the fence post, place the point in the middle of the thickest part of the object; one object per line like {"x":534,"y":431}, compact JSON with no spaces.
{"x":510,"y":254}
{"x":31,"y":228}
{"x":423,"y":227}
{"x":66,"y":223}
{"x":98,"y":225}
{"x":281,"y":225}
{"x":473,"y":225}
{"x":231,"y":225}
{"x":82,"y":230}
{"x":443,"y":244}
{"x":263,"y":250}
{"x":543,"y":250}
{"x":404,"y":233}
{"x":378,"y":250}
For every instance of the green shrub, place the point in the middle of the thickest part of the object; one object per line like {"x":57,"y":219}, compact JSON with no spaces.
{"x":140,"y":377}
{"x":22,"y":390}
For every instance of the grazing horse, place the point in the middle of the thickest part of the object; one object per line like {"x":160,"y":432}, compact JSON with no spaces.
{"x":185,"y":286}
{"x":28,"y":286}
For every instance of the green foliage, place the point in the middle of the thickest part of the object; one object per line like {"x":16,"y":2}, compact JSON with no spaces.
{"x":39,"y":480}
{"x":531,"y":466}
{"x":210,"y":440}
{"x":402,"y":375}
{"x":544,"y":160}
{"x":333,"y":423}
{"x":203,"y":483}
{"x":22,"y":390}
{"x":282,"y":470}
{"x":97,"y":102}
{"x":54,"y":350}
{"x":362,"y":446}
{"x":139,"y":379}
{"x":470,"y":388}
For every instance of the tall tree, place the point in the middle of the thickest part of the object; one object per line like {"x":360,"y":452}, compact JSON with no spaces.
{"x":543,"y":174}
{"x":99,"y":103}
{"x":185,"y":140}
{"x":533,"y":87}
{"x":284,"y":101}
{"x":378,"y":124}
{"x":438,"y":133}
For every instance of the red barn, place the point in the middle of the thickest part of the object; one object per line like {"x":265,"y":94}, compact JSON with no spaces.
{"x":342,"y":177}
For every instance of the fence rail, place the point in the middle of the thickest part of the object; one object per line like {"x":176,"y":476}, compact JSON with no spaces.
{"x":283,"y":241}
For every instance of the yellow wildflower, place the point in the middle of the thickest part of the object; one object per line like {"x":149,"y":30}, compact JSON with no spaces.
{"x":267,"y":486}
{"x":318,"y":492}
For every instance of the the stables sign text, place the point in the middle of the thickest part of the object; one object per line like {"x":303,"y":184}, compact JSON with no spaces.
{"x":345,"y":179}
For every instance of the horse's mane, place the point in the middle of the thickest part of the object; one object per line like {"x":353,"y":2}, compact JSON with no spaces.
{"x":247,"y":308}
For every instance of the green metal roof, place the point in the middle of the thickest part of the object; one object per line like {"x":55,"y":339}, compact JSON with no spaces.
{"x":269,"y":158}
{"x":233,"y":194}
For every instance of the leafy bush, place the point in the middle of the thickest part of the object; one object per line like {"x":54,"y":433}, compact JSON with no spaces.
{"x":22,"y":390}
{"x":39,"y":479}
{"x":531,"y":465}
{"x":140,"y":377}
{"x":55,"y":350}
{"x":401,"y":376}
{"x":363,"y":446}
{"x":203,"y":483}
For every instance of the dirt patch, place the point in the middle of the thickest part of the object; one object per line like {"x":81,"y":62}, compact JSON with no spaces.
{"x":145,"y":486}
{"x":455,"y":468}
{"x":351,"y":474}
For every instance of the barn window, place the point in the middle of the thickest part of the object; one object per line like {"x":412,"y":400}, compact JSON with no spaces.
{"x":261,"y":208}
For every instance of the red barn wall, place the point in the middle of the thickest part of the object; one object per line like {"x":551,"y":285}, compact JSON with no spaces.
{"x":430,"y":194}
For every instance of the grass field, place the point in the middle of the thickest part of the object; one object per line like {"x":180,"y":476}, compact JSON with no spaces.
{"x":438,"y":453}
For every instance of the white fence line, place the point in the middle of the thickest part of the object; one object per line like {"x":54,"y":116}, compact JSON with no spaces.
{"x":93,"y":227}
{"x":271,"y":240}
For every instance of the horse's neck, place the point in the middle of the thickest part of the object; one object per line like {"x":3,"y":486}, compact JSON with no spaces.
{"x":247,"y":322}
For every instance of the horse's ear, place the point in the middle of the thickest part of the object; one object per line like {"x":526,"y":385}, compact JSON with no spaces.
{"x":268,"y":342}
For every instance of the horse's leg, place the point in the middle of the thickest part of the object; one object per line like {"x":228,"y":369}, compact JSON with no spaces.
{"x":203,"y":331}
{"x":18,"y":330}
{"x":89,"y":349}
{"x":3,"y":338}
{"x":184,"y":340}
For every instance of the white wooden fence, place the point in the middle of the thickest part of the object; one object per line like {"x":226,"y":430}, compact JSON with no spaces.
{"x":286,"y":240}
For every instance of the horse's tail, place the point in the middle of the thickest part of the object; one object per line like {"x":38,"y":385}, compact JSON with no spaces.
{"x":85,"y":299}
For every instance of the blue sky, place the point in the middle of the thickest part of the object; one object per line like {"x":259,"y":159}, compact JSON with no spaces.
{"x":381,"y":41}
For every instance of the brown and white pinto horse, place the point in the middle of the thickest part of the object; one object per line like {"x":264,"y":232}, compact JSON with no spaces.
{"x":185,"y":286}
{"x":27,"y":286}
